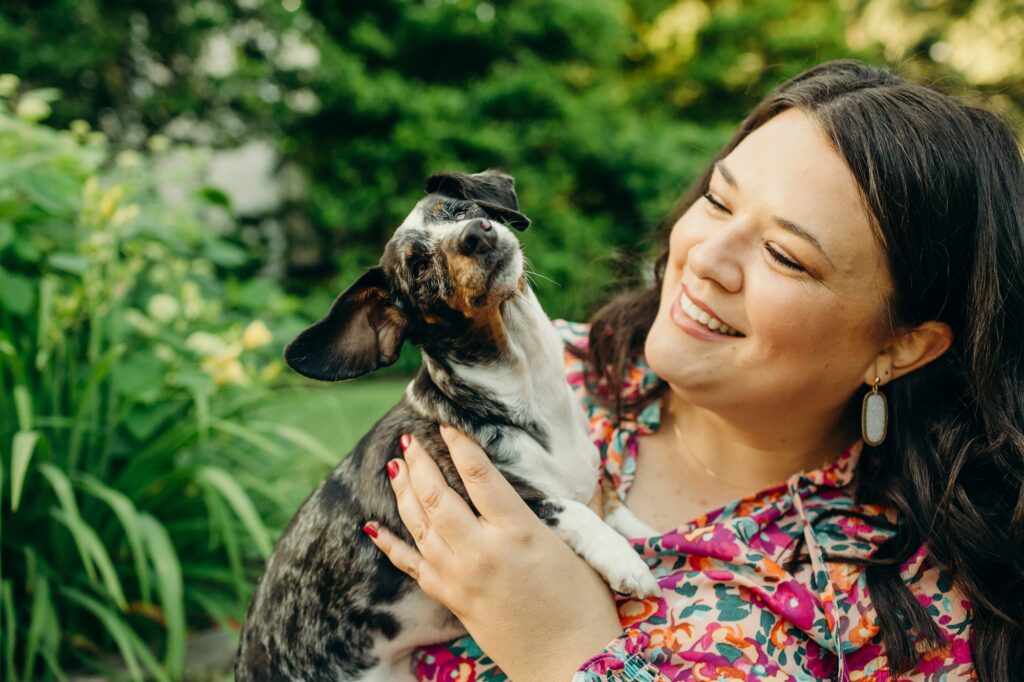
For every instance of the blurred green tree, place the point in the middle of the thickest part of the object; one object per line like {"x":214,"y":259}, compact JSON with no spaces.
{"x":603,"y":110}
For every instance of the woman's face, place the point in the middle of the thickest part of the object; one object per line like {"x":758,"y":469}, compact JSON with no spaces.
{"x":782,"y":251}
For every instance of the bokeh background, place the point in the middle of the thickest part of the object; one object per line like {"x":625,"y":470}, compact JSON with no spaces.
{"x":185,"y":185}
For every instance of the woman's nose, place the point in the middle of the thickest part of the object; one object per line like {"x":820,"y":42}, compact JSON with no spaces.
{"x":717,"y":257}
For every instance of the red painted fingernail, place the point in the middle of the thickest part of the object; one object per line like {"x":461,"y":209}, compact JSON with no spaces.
{"x":370,"y":530}
{"x":393,"y":468}
{"x":404,"y":441}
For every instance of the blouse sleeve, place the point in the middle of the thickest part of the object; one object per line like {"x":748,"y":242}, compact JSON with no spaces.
{"x":623,"y":660}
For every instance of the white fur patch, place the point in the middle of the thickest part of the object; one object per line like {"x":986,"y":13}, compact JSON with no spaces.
{"x":424,"y":622}
{"x":605,"y":550}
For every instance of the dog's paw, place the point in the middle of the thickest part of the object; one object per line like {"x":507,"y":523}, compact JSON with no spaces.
{"x":628,"y":525}
{"x":633,"y":577}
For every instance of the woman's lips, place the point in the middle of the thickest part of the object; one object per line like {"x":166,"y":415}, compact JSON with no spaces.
{"x":693,"y":327}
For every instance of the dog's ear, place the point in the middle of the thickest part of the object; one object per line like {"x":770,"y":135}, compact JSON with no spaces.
{"x":363,"y":331}
{"x":491,"y":190}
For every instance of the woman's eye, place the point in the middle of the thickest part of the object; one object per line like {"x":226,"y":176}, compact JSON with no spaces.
{"x":782,"y":260}
{"x":714,"y":202}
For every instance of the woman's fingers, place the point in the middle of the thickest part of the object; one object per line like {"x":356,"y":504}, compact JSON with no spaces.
{"x":445,"y":509}
{"x":413,"y":515}
{"x":405,"y":558}
{"x":491,"y":494}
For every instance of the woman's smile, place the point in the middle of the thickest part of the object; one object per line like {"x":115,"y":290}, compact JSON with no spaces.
{"x":697,"y":321}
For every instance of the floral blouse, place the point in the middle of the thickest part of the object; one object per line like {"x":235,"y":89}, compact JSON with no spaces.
{"x":728,"y":609}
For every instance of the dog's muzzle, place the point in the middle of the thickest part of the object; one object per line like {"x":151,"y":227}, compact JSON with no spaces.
{"x":477,"y":238}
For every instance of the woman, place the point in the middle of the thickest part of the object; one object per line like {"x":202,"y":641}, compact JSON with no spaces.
{"x":858,"y":235}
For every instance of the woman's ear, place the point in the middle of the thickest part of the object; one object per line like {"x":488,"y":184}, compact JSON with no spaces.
{"x":909,"y":351}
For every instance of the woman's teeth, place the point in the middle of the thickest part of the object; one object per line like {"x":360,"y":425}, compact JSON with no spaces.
{"x":712,"y":323}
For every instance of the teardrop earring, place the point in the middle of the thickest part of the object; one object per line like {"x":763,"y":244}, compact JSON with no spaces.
{"x":874,"y":416}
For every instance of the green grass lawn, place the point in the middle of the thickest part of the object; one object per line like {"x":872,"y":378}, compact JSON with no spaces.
{"x":336,"y":415}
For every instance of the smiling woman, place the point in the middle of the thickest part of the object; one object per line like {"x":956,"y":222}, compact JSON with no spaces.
{"x":859,"y":235}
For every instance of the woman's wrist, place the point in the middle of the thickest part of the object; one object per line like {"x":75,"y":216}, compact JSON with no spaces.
{"x":566,"y":652}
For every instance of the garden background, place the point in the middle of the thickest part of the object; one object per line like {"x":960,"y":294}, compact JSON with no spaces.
{"x":186,"y":185}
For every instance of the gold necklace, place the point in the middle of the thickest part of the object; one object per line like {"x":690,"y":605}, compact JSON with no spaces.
{"x":688,"y":451}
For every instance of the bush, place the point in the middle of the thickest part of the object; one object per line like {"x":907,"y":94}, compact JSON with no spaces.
{"x":130,"y":356}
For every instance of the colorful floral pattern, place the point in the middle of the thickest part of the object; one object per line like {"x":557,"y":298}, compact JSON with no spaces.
{"x":728,"y":609}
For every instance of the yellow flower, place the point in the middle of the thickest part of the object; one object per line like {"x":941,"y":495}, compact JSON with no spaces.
{"x":271,"y":371}
{"x":125,"y":214}
{"x":158,"y":143}
{"x":8,"y":84}
{"x":163,"y":308}
{"x":33,"y":109}
{"x":206,"y":344}
{"x":110,"y":201}
{"x":225,"y":370}
{"x":89,"y":188}
{"x":256,"y":335}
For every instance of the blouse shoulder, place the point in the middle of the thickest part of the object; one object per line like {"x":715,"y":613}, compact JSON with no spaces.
{"x":576,"y":337}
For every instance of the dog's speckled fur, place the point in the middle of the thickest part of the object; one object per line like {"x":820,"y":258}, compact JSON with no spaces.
{"x":330,"y":606}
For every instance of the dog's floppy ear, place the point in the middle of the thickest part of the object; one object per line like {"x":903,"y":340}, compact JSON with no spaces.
{"x":492,"y":191}
{"x":363,"y":331}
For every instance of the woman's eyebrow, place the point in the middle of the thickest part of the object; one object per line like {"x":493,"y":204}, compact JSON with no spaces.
{"x":788,"y":225}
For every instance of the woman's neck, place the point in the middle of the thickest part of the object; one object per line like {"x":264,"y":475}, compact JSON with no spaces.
{"x":753,"y":452}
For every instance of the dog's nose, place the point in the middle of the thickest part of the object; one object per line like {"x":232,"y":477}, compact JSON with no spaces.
{"x":477,"y":237}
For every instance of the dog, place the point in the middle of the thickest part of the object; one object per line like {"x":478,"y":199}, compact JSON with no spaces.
{"x":330,"y":605}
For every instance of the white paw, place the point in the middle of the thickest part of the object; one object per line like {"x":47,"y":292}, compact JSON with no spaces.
{"x":631,"y":576}
{"x":627,"y":525}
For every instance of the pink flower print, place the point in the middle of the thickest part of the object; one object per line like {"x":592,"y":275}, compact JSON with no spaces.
{"x":456,"y":671}
{"x":793,"y":602}
{"x":821,"y":663}
{"x":715,"y":541}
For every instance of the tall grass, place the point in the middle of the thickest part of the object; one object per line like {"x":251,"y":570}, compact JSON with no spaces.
{"x":136,"y":494}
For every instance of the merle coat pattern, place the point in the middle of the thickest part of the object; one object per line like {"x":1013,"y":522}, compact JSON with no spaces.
{"x":330,"y":606}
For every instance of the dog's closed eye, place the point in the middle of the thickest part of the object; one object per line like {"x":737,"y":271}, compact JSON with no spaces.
{"x":417,"y":267}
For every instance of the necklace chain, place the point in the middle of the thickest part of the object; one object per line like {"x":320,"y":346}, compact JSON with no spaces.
{"x":690,"y":454}
{"x":688,"y":451}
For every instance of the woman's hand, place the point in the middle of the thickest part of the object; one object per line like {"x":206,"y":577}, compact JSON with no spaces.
{"x":530,"y":603}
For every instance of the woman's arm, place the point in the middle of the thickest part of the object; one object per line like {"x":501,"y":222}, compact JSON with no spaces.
{"x":537,"y":609}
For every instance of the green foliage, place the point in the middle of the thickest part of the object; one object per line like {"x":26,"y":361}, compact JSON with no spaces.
{"x":128,"y":365}
{"x":603,"y":109}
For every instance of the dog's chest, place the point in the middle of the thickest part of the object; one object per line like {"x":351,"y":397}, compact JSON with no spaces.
{"x":559,"y":459}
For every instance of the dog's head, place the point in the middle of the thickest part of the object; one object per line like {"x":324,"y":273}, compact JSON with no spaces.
{"x":443,"y":281}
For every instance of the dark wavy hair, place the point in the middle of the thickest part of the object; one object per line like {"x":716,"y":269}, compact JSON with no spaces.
{"x":944,"y":183}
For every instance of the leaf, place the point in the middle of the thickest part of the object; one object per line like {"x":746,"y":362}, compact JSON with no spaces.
{"x":114,"y":625}
{"x":240,"y":504}
{"x":16,"y":293}
{"x":23,"y":405}
{"x":225,"y":254}
{"x":6,"y":234}
{"x":74,"y":263}
{"x":128,"y":515}
{"x":62,"y":488}
{"x":305,"y":441}
{"x":222,"y":526}
{"x":24,"y":445}
{"x":7,"y":602}
{"x":265,"y":444}
{"x":170,"y":588}
{"x":85,"y":402}
{"x":55,"y":192}
{"x":42,"y":611}
{"x":48,"y":95}
{"x":87,"y":537}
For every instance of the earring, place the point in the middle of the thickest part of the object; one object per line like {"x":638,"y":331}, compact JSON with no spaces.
{"x":874,"y":416}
